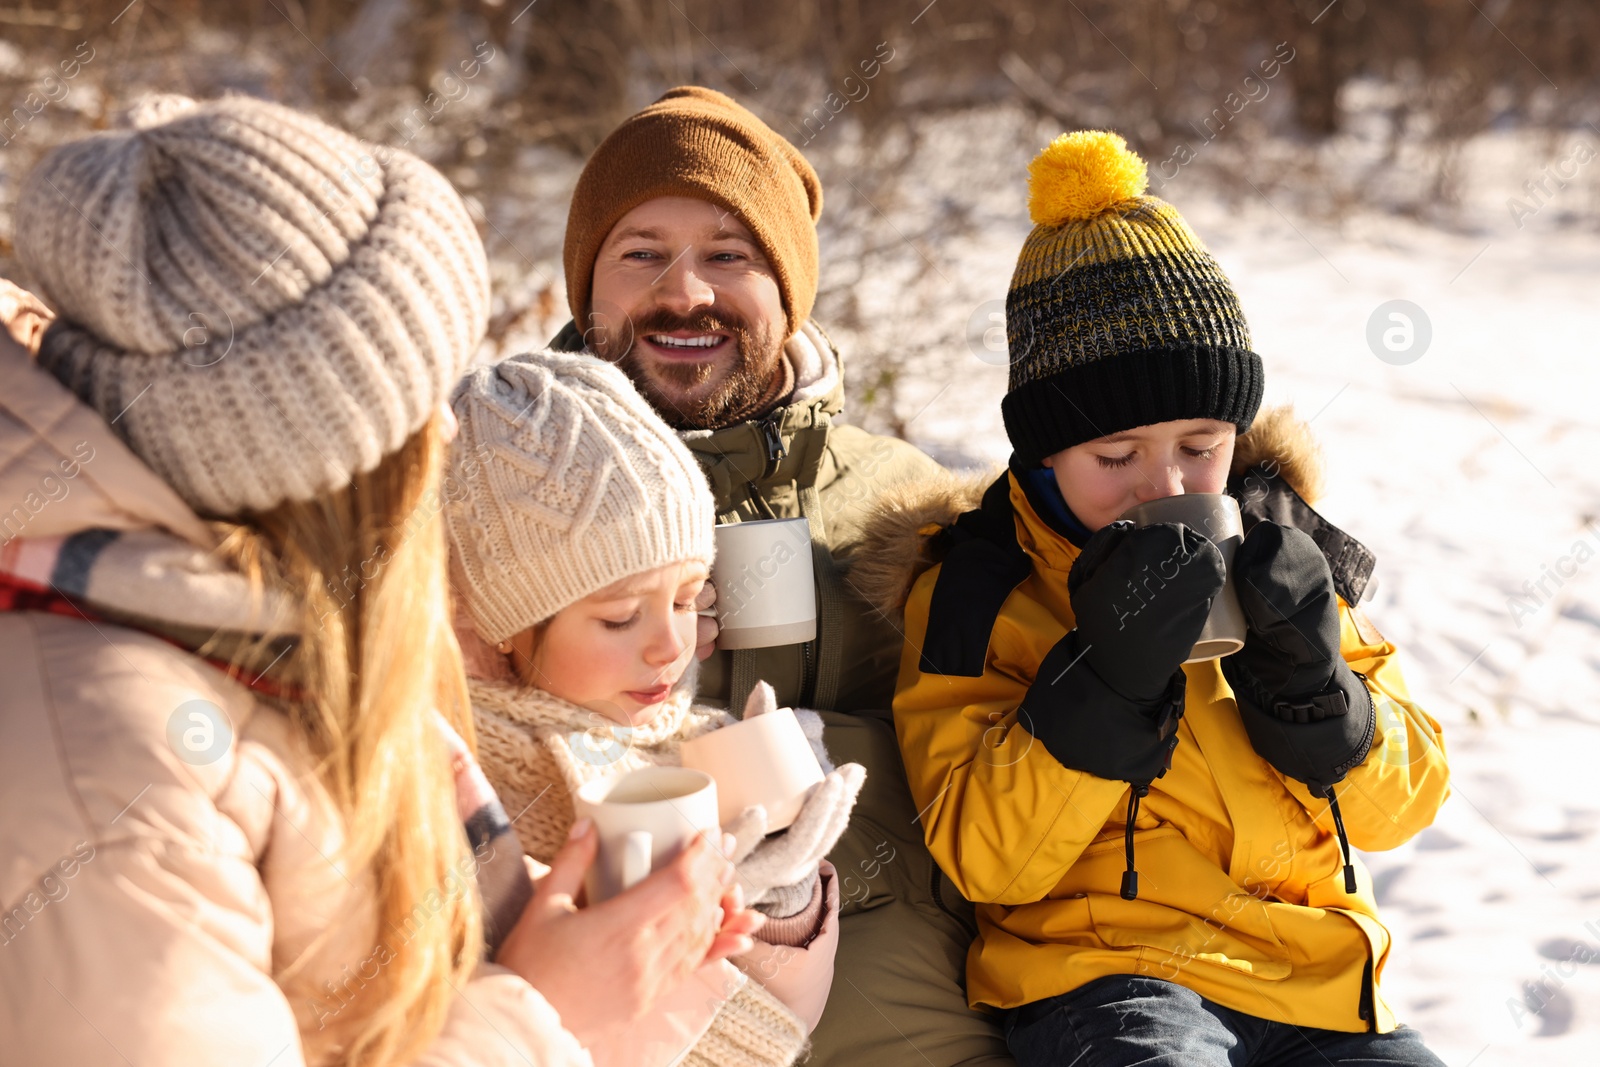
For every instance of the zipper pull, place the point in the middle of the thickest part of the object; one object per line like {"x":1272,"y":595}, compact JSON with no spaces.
{"x":1344,"y":842}
{"x":1130,"y":877}
{"x":776,"y":449}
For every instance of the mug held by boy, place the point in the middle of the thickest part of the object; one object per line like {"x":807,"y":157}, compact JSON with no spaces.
{"x":1217,"y":516}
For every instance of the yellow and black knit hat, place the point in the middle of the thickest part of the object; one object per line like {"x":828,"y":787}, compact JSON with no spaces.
{"x":1117,"y":316}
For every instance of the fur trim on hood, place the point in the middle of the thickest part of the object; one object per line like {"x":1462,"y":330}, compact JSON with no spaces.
{"x":897,"y":538}
{"x":1281,"y":442}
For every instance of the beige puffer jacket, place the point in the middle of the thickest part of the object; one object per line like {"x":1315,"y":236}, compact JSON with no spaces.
{"x":148,"y":905}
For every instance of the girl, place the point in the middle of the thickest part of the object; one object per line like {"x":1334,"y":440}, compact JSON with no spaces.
{"x":581,"y":535}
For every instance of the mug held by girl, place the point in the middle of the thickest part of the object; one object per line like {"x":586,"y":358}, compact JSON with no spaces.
{"x":762,"y":759}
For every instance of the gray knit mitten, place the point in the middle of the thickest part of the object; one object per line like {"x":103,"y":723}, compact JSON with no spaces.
{"x":779,"y":873}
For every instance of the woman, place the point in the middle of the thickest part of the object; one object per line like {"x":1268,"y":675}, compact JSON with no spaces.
{"x":231,"y":823}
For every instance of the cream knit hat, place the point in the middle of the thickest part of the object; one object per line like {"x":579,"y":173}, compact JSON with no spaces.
{"x":260,"y":304}
{"x":562,"y":481}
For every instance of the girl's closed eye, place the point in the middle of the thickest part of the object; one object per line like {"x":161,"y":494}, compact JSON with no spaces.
{"x":688,"y":594}
{"x":623,"y":624}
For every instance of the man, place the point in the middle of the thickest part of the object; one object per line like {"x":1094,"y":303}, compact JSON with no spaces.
{"x":691,"y":261}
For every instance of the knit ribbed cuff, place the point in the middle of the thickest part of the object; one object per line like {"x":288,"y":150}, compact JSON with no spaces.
{"x":799,"y":929}
{"x":753,"y":1027}
{"x":1140,"y":388}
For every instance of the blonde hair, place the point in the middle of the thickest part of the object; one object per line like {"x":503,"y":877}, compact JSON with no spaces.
{"x":367,"y":566}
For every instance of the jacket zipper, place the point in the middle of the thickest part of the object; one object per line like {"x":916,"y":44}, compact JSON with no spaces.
{"x":776,"y":449}
{"x":1366,"y":1008}
{"x":808,"y":679}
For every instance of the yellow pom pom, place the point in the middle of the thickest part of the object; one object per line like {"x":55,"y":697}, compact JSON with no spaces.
{"x":1079,"y":175}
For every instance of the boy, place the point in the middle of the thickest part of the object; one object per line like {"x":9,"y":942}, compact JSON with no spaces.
{"x":1157,"y":850}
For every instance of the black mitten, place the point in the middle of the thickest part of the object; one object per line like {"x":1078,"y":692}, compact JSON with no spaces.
{"x":1108,"y":696}
{"x":1306,"y":712}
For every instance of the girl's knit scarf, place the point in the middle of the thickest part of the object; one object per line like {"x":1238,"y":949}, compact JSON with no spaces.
{"x":538,"y":749}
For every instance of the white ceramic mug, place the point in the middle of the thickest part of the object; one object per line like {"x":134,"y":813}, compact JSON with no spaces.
{"x":766,"y":592}
{"x":762,"y":760}
{"x":1216,"y":515}
{"x":643,"y":818}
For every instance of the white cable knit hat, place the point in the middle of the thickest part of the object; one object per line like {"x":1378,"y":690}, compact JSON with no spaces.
{"x":260,"y":304}
{"x":562,"y":481}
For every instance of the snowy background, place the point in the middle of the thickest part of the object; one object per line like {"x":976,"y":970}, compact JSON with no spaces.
{"x":1469,"y":463}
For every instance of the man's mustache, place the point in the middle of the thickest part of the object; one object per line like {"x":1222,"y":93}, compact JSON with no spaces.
{"x":663,"y":320}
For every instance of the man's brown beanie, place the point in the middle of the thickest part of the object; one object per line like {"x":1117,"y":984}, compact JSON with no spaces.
{"x":697,"y":142}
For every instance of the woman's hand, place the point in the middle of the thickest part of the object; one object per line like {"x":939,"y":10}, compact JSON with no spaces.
{"x":23,"y":315}
{"x":609,"y":963}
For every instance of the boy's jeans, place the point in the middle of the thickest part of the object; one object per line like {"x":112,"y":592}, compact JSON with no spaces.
{"x":1128,"y":1019}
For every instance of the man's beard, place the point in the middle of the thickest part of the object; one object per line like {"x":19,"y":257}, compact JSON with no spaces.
{"x":679,"y":390}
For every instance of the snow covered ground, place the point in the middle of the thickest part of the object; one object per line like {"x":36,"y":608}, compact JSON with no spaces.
{"x":1469,"y":471}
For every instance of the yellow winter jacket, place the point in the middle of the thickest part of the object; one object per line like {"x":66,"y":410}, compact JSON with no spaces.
{"x":1241,"y":889}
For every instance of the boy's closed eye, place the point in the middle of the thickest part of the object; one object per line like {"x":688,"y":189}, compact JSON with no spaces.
{"x":1113,"y":462}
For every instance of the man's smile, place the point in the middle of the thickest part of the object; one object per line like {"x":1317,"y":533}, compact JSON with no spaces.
{"x":681,"y":344}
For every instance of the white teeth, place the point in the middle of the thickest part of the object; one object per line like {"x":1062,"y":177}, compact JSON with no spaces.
{"x":703,"y":341}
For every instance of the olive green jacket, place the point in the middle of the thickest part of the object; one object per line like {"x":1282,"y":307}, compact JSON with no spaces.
{"x":799,"y":461}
